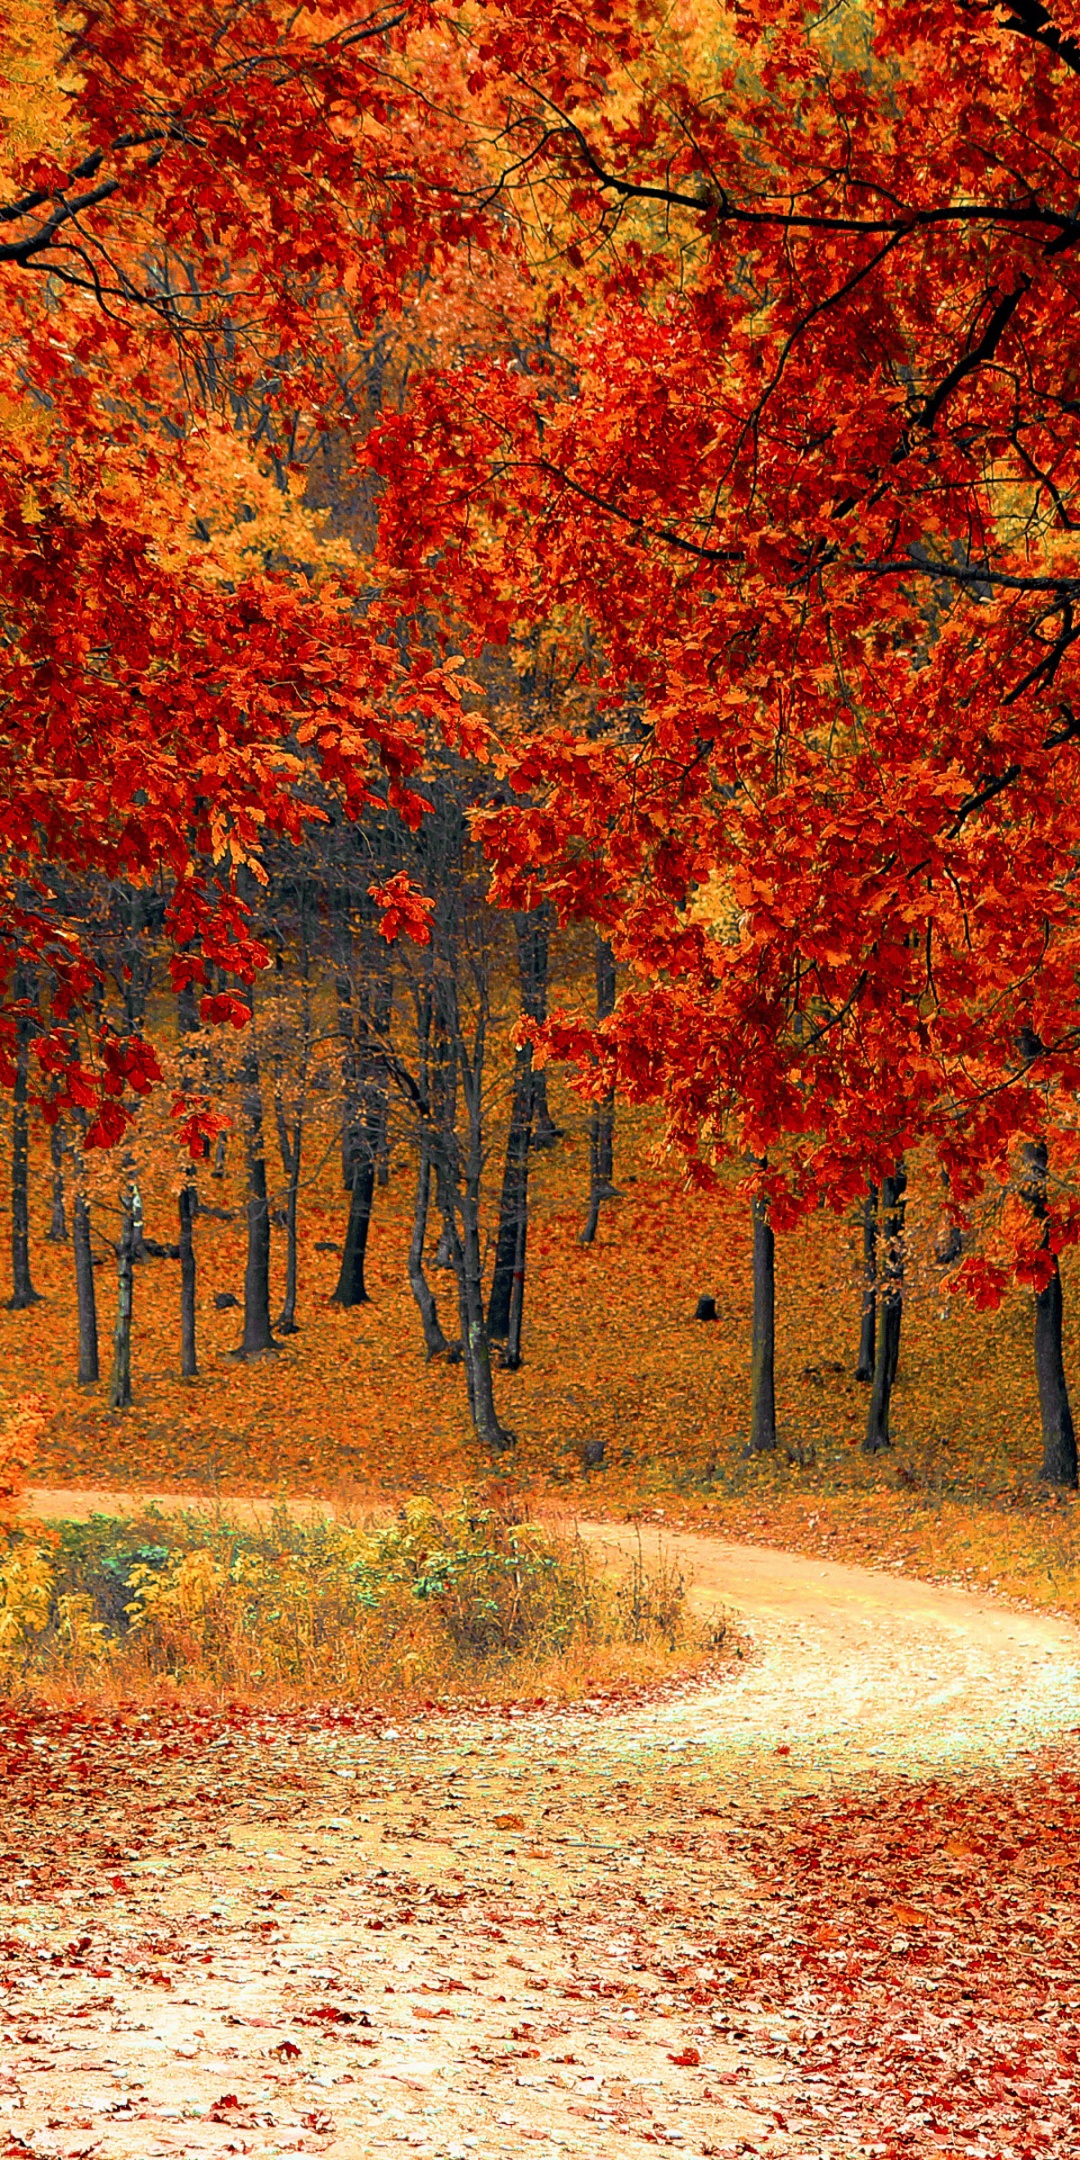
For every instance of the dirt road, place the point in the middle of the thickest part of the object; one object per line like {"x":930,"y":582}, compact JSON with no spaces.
{"x":469,"y":1936}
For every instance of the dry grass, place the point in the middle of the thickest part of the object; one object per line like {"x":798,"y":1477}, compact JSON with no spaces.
{"x":465,"y":1601}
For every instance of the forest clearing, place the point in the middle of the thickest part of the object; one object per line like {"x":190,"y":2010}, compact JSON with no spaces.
{"x":539,"y":1079}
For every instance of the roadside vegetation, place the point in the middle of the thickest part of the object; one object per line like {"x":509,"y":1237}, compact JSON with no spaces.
{"x":461,"y":1600}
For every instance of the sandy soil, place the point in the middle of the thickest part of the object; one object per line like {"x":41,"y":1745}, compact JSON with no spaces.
{"x":470,"y":1936}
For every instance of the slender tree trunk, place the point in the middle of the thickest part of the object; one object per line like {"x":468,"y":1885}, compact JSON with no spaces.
{"x":434,"y":1339}
{"x":257,"y":1331}
{"x":23,"y":1292}
{"x":85,"y":1295}
{"x":287,"y":1320}
{"x":351,"y":1286}
{"x":763,"y":1339}
{"x":138,"y":1224}
{"x":890,"y":1309}
{"x":509,"y":1270}
{"x":57,"y":1230}
{"x":459,"y":1192}
{"x":350,"y":1072}
{"x":511,"y":1357}
{"x":1059,"y":1463}
{"x":864,"y":1370}
{"x":534,"y":956}
{"x":476,"y":1348}
{"x":120,"y":1382}
{"x":136,"y":968}
{"x":189,"y":1363}
{"x":602,"y":1120}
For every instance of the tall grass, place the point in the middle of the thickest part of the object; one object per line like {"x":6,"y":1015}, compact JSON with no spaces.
{"x":451,"y":1599}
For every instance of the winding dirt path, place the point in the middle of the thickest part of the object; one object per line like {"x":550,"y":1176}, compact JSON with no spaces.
{"x":466,"y":1936}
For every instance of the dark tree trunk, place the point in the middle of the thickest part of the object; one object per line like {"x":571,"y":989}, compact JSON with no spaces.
{"x":508,"y":1277}
{"x":23,"y":1292}
{"x":189,"y":1363}
{"x":136,"y":965}
{"x":291,"y":1148}
{"x":602,"y":1121}
{"x":476,"y":1349}
{"x":890,"y":1301}
{"x":434,"y":1339}
{"x":57,"y":1230}
{"x":511,"y":1356}
{"x":350,"y":1060}
{"x":459,"y":1189}
{"x":368,"y":1130}
{"x":864,"y":1370}
{"x":763,"y":1340}
{"x":351,"y":1286}
{"x":187,"y":1010}
{"x":120,"y":1381}
{"x":85,"y":1295}
{"x":287,"y":1318}
{"x":513,"y":1203}
{"x":257,"y":1331}
{"x":533,"y":959}
{"x":1059,"y":1463}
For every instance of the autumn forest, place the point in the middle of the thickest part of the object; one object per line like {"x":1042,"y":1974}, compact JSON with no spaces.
{"x":539,"y":1076}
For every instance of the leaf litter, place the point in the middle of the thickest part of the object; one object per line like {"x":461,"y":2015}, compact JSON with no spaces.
{"x":586,"y":1930}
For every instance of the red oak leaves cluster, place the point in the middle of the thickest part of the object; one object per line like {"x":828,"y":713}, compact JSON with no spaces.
{"x":794,"y":465}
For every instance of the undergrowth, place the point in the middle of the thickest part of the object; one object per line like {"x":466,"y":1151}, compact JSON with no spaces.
{"x":457,"y":1598}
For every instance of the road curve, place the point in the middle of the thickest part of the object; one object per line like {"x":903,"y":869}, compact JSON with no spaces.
{"x":852,"y":1669}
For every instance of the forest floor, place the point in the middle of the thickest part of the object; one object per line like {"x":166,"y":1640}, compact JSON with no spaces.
{"x":615,"y":1364}
{"x":826,"y":1907}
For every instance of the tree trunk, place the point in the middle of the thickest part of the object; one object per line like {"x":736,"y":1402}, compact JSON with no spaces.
{"x":85,"y":1295}
{"x":138,"y":1225}
{"x":135,"y":963}
{"x":257,"y":1331}
{"x":290,"y":1145}
{"x":514,"y":1198}
{"x":533,"y":956}
{"x":287,"y":1319}
{"x":864,"y":1370}
{"x":57,"y":1230}
{"x":475,"y":1345}
{"x":763,"y":1342}
{"x":511,"y":1356}
{"x":434,"y":1339}
{"x":368,"y":1132}
{"x":890,"y":1309}
{"x":1059,"y":1463}
{"x":23,"y":1292}
{"x":120,"y":1382}
{"x":602,"y":1120}
{"x":513,"y":1203}
{"x":351,"y":1286}
{"x":189,"y":1363}
{"x":350,"y":1074}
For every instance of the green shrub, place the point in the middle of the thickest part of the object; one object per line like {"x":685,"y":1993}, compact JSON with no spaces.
{"x":446,"y":1598}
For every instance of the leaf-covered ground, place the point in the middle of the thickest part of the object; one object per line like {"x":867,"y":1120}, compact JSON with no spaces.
{"x":612,"y":1354}
{"x":594,"y":1931}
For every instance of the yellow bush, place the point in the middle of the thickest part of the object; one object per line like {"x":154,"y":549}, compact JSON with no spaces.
{"x":26,"y":1586}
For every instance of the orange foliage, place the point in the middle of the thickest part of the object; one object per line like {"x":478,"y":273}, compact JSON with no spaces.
{"x":23,"y":1423}
{"x":350,"y":1407}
